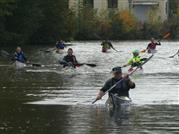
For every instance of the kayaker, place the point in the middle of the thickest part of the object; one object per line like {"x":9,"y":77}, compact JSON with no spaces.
{"x":121,"y":89}
{"x":106,"y":45}
{"x":69,"y":59}
{"x":135,"y":61}
{"x":60,"y":45}
{"x":152,"y":46}
{"x":19,"y":55}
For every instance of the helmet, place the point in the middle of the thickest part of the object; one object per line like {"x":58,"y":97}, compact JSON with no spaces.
{"x":135,"y":52}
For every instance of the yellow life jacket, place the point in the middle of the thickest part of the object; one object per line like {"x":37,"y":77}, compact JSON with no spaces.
{"x":135,"y":59}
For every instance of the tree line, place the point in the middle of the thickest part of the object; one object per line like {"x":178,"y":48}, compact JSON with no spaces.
{"x":44,"y":22}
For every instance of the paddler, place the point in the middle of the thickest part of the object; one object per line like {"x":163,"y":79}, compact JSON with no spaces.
{"x":135,"y":61}
{"x":69,"y":59}
{"x":151,"y":48}
{"x":59,"y":46}
{"x":121,"y":89}
{"x":106,"y":45}
{"x":19,"y":55}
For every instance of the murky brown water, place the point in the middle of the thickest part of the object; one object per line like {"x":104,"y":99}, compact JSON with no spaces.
{"x":52,"y":100}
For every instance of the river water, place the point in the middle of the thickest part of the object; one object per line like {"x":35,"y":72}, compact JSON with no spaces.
{"x":53,"y":100}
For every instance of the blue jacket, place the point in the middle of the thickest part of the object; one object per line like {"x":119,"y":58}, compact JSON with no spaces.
{"x":20,"y":57}
{"x":60,"y":45}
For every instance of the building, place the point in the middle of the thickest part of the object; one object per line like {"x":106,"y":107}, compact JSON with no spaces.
{"x":140,"y":8}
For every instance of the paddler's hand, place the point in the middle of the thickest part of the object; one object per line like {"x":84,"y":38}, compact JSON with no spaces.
{"x":124,"y":66}
{"x":126,"y":77}
{"x":28,"y":62}
{"x":143,"y":51}
{"x":100,"y":95}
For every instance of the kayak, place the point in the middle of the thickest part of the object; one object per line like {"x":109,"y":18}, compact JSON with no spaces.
{"x":152,"y":51}
{"x":138,"y":72}
{"x":19,"y":65}
{"x":104,"y":50}
{"x":59,"y":51}
{"x":115,"y":101}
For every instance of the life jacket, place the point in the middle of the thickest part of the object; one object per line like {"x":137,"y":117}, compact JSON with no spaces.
{"x":135,"y":59}
{"x":60,"y":46}
{"x":20,"y":57}
{"x":105,"y":45}
{"x":152,"y":46}
{"x":70,"y":58}
{"x":122,"y":89}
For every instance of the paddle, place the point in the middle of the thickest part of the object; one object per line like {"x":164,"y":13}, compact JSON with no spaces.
{"x":127,"y":75}
{"x":5,"y":54}
{"x":88,"y":64}
{"x":48,"y":50}
{"x":115,"y":49}
{"x":174,"y":55}
{"x":164,"y":37}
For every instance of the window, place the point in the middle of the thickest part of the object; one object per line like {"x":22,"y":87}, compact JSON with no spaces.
{"x":89,"y":3}
{"x":112,"y":3}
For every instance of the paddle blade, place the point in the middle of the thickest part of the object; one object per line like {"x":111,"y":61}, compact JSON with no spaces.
{"x":4,"y":53}
{"x":166,"y":35}
{"x":36,"y":65}
{"x":91,"y":65}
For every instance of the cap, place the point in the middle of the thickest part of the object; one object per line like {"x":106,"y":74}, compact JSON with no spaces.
{"x":117,"y":70}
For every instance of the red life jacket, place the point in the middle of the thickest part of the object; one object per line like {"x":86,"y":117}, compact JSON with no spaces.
{"x":152,"y":46}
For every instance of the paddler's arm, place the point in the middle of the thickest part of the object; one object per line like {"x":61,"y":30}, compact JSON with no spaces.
{"x":102,"y":91}
{"x":158,"y":43}
{"x":75,"y":62}
{"x":129,"y":81}
{"x":102,"y":44}
{"x":148,"y":47}
{"x":100,"y":95}
{"x":128,"y":64}
{"x":143,"y":59}
{"x":25,"y":58}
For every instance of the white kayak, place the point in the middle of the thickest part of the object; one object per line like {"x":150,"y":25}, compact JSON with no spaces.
{"x":152,"y":51}
{"x":59,"y":51}
{"x":19,"y":65}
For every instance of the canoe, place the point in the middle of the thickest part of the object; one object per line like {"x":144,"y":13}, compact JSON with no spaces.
{"x":19,"y":65}
{"x":115,"y":101}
